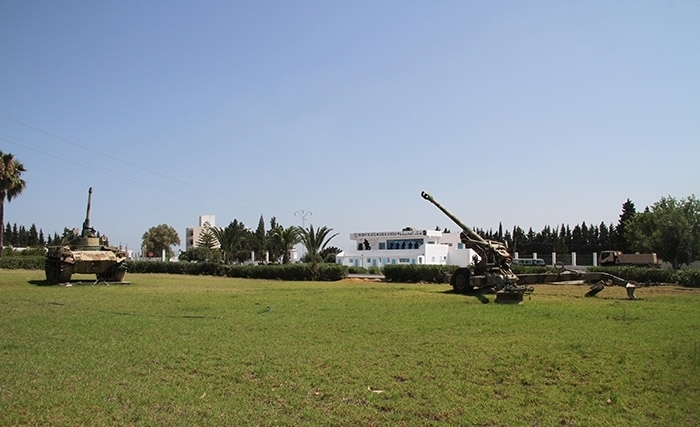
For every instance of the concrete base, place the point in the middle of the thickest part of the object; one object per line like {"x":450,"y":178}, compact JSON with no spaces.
{"x":509,"y":297}
{"x":96,"y":282}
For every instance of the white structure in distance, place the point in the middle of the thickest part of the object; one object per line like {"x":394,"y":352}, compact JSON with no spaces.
{"x":410,"y":246}
{"x":192,"y":233}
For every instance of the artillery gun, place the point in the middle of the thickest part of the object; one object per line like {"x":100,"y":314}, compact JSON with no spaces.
{"x":492,"y":271}
{"x":86,"y":253}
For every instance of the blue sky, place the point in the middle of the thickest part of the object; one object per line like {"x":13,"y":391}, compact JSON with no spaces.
{"x":524,"y":113}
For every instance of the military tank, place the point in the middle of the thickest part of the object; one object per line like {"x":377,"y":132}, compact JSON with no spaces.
{"x":85,"y":253}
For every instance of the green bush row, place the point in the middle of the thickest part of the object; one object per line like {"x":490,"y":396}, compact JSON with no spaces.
{"x":365,"y":270}
{"x":322,"y":272}
{"x":413,"y":273}
{"x":438,"y":274}
{"x":23,"y":262}
{"x":688,"y":278}
{"x":331,"y":272}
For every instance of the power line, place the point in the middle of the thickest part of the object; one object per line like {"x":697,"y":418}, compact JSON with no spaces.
{"x":101,"y":169}
{"x":116,"y":159}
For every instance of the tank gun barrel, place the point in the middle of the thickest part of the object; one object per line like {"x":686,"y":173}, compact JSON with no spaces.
{"x":467,"y":230}
{"x":86,"y":224}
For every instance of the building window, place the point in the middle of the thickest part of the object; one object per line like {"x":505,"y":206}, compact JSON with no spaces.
{"x":382,"y":245}
{"x":460,"y":245}
{"x":404,"y":244}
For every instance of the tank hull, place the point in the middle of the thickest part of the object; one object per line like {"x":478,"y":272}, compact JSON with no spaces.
{"x":107,"y":264}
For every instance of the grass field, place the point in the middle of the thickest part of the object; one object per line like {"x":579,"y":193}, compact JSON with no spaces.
{"x":183,"y":350}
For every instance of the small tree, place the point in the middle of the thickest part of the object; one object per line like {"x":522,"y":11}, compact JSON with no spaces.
{"x":160,"y":238}
{"x":329,"y":253}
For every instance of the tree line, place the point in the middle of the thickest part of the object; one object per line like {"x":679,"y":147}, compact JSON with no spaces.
{"x":670,"y":228}
{"x":237,"y":243}
{"x":19,"y":237}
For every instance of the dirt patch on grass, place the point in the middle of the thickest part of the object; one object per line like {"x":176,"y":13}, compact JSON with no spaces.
{"x":362,"y":279}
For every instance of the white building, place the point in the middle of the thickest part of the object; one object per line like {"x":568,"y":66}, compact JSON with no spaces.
{"x":377,"y":249}
{"x":192,"y":234}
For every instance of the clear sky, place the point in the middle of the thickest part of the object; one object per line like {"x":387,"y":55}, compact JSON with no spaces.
{"x":525,"y":113}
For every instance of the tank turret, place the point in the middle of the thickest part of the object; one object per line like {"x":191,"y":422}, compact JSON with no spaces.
{"x":86,"y":253}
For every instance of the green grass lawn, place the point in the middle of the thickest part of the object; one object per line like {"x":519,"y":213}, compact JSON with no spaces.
{"x":183,"y":350}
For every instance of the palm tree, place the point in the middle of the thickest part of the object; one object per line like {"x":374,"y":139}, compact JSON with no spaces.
{"x":230,"y":239}
{"x":286,"y":238}
{"x":11,"y":185}
{"x":315,"y":240}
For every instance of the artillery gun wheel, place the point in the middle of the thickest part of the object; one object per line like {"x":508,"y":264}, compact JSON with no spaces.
{"x":460,"y":281}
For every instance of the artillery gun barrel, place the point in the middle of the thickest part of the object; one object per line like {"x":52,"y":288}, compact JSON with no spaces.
{"x":468,"y":231}
{"x":86,"y":224}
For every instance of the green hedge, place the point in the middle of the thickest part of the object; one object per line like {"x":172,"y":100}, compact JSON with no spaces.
{"x":688,"y":278}
{"x":413,"y":273}
{"x":331,"y":272}
{"x":23,"y":262}
{"x":293,"y":272}
{"x":527,"y":269}
{"x":436,"y":274}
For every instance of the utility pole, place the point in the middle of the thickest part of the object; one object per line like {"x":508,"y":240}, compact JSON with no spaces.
{"x":303,"y":214}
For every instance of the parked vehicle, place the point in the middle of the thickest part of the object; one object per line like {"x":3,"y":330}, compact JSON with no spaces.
{"x":608,"y":258}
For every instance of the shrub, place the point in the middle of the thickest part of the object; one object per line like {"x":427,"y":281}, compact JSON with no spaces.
{"x":641,"y":274}
{"x":527,"y":269}
{"x":331,"y":272}
{"x":27,"y":262}
{"x":374,"y":270}
{"x":690,"y":278}
{"x":412,"y":273}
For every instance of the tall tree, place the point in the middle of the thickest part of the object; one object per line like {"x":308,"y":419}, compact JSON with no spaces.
{"x":628,"y":212}
{"x":160,"y":238}
{"x":207,"y":239}
{"x":671,"y":228}
{"x":33,"y":238}
{"x":258,"y":242}
{"x":11,"y":185}
{"x":272,"y":245}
